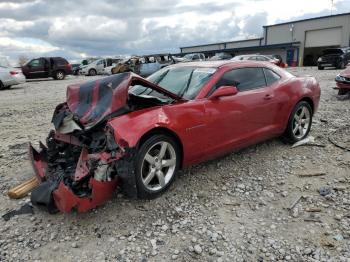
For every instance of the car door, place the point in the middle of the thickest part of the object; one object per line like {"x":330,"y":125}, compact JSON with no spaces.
{"x":100,"y":65}
{"x":244,"y":118}
{"x":36,"y":68}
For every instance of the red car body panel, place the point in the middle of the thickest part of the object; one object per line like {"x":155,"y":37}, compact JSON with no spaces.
{"x":204,"y":127}
{"x":225,"y":124}
{"x":345,"y":83}
{"x":66,"y":200}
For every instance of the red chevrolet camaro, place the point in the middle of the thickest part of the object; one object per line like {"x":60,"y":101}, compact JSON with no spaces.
{"x":136,"y":133}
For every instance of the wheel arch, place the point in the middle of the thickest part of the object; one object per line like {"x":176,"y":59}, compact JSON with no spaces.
{"x":163,"y":131}
{"x":309,"y":101}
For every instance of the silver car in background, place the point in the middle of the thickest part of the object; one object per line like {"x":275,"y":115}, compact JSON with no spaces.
{"x":97,"y":67}
{"x":9,"y":76}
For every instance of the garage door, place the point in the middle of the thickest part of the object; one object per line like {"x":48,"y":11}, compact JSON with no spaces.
{"x":324,"y":37}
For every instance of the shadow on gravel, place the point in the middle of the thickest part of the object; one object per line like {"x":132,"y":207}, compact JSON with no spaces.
{"x":12,"y":88}
{"x":41,"y":80}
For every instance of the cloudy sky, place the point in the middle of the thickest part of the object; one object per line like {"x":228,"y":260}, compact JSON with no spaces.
{"x":82,"y":28}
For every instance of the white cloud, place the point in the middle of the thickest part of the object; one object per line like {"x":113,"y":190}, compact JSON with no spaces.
{"x":83,"y":28}
{"x":8,"y":44}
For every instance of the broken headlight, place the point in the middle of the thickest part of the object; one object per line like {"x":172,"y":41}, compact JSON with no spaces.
{"x":339,"y":78}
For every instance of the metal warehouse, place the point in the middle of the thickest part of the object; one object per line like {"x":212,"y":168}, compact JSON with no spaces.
{"x":298,"y":42}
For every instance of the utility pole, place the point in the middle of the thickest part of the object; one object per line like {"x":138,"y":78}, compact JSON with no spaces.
{"x":332,"y":2}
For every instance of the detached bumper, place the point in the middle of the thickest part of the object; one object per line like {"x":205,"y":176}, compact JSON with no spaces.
{"x":66,"y":200}
{"x":56,"y":194}
{"x":342,"y":85}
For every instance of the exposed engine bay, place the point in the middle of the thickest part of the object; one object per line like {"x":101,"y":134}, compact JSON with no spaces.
{"x":81,"y":164}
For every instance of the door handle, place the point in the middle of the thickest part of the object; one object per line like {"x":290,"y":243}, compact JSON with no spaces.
{"x":268,"y":96}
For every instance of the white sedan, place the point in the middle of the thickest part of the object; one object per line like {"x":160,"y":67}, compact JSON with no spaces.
{"x":9,"y":76}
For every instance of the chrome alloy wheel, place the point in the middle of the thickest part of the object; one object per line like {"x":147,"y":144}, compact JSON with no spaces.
{"x":301,"y":122}
{"x":158,"y":166}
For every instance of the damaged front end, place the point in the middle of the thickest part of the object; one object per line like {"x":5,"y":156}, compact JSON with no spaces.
{"x":76,"y":171}
{"x":81,"y":164}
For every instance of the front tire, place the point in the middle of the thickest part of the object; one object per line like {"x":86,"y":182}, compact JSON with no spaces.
{"x":92,"y":72}
{"x":157,"y":163}
{"x":299,"y":122}
{"x":320,"y":67}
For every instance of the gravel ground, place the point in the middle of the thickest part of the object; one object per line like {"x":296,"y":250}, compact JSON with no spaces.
{"x":234,"y":208}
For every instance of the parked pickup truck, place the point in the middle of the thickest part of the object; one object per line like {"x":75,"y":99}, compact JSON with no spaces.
{"x":334,"y":57}
{"x":43,"y":67}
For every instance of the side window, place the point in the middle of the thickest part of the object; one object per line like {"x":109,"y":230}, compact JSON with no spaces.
{"x":252,"y":58}
{"x":243,"y":78}
{"x":35,"y":63}
{"x":60,"y":62}
{"x":261,"y":58}
{"x":195,"y":57}
{"x":271,"y":76}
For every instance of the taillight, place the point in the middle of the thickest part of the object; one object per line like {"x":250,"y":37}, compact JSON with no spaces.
{"x":69,"y":66}
{"x":13,"y":73}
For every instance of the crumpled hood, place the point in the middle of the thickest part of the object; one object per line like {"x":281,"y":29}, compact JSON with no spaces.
{"x":345,"y":73}
{"x":94,"y":101}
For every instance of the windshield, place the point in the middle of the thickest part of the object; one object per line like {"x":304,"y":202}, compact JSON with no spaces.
{"x":184,"y":81}
{"x":4,"y":62}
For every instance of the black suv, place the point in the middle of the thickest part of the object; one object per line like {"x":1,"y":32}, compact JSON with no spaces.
{"x":334,"y":57}
{"x":56,"y":67}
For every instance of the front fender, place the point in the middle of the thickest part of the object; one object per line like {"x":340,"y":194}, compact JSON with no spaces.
{"x":128,"y":129}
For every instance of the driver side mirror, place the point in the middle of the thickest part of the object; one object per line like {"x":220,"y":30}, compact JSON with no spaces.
{"x":224,"y":91}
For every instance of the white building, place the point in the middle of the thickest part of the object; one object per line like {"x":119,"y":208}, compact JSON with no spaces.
{"x":298,"y":42}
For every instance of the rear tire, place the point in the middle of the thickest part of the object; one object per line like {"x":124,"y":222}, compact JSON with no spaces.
{"x":299,"y":122}
{"x":320,"y":67}
{"x":59,"y":75}
{"x":2,"y":87}
{"x":341,"y":65}
{"x":92,"y":72}
{"x":157,"y":163}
